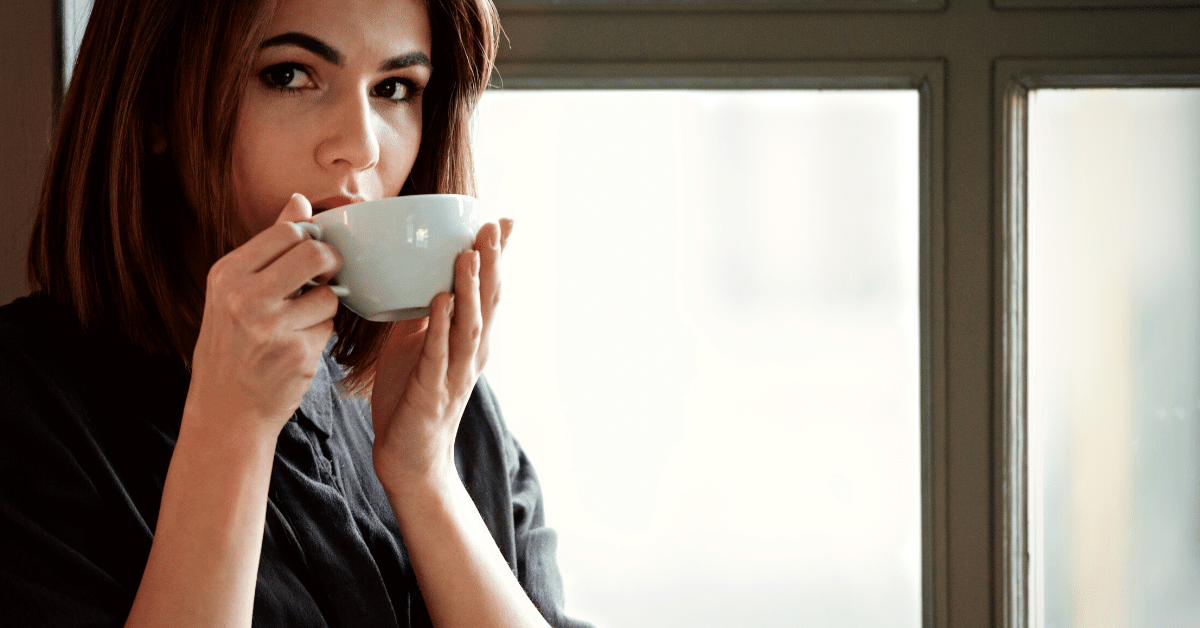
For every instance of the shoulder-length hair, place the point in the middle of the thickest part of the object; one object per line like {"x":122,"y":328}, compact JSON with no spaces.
{"x":124,"y":237}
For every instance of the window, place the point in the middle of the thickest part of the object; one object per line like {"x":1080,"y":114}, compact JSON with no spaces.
{"x":1114,"y":387}
{"x":709,"y":346}
{"x":973,"y":63}
{"x":72,"y":19}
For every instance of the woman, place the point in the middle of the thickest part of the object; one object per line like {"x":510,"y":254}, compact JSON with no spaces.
{"x":188,"y":434}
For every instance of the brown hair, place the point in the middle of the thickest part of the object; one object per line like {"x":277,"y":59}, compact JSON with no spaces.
{"x":108,"y":241}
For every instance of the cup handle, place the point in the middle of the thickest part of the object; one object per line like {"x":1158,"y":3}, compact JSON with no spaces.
{"x":311,"y":228}
{"x":340,"y":291}
{"x":314,"y":231}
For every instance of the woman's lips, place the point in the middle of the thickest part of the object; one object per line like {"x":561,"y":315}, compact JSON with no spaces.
{"x":333,"y":202}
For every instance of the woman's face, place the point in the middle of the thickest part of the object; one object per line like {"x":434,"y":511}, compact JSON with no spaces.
{"x":334,"y":109}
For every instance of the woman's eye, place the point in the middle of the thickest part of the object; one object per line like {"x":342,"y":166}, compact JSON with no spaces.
{"x":393,"y":89}
{"x":286,"y":76}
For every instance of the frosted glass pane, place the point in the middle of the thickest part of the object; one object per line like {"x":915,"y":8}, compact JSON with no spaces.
{"x":709,"y":347}
{"x":1114,"y":352}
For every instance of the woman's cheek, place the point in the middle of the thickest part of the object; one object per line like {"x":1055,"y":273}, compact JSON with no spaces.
{"x":406,"y":142}
{"x":260,"y":184}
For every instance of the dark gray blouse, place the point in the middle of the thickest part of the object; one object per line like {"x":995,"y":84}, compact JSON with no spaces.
{"x":87,"y":427}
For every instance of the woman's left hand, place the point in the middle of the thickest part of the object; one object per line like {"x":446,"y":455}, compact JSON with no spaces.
{"x":429,"y":367}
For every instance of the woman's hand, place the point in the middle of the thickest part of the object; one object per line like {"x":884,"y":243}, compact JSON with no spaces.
{"x":428,"y":368}
{"x":256,"y":355}
{"x":424,"y":378}
{"x":260,"y":338}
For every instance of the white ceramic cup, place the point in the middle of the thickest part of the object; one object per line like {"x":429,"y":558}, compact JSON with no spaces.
{"x":397,"y":252}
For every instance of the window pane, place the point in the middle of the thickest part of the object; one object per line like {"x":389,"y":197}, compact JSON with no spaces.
{"x":1114,"y":356}
{"x":74,"y":16}
{"x":709,"y":347}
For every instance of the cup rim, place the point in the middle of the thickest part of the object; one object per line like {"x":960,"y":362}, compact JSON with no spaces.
{"x":410,"y":196}
{"x":328,"y":214}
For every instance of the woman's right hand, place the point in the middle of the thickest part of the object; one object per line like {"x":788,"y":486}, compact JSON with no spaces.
{"x":258,"y":350}
{"x":261,"y":338}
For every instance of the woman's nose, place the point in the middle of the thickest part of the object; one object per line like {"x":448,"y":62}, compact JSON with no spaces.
{"x":349,"y":139}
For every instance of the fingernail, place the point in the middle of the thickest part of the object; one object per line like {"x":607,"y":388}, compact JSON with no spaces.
{"x":474,"y":263}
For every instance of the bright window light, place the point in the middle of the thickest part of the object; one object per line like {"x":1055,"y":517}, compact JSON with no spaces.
{"x":1114,"y":357}
{"x":708,"y":345}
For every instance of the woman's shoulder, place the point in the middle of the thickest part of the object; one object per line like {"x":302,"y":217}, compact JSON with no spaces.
{"x":58,"y":473}
{"x":43,"y":349}
{"x":34,"y":334}
{"x":85,"y":408}
{"x":51,"y":370}
{"x":35,"y":323}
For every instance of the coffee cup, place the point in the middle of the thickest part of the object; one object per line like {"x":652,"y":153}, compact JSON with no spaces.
{"x":397,"y":252}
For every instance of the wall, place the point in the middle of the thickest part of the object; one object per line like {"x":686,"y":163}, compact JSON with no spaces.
{"x":27,"y":68}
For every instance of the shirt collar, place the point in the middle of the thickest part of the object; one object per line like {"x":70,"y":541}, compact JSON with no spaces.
{"x":316,"y":408}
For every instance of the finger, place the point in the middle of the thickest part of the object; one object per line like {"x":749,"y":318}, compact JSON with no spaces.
{"x":297,"y":209}
{"x":435,"y":354}
{"x":487,"y":237}
{"x":467,"y":326}
{"x":298,"y":212}
{"x":263,"y":249}
{"x":278,"y":238}
{"x":304,"y":261}
{"x":489,"y":248}
{"x":506,"y":227}
{"x":311,"y":308}
{"x":266,"y":247}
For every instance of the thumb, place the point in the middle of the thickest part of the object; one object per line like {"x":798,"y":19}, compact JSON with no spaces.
{"x":297,"y":209}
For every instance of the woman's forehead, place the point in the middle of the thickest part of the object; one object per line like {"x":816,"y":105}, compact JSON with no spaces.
{"x":386,"y":26}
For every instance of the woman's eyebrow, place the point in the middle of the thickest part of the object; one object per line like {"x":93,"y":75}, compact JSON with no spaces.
{"x":330,"y":54}
{"x":307,"y":42}
{"x":405,"y":61}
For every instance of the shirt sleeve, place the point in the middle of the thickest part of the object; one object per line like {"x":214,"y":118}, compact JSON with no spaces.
{"x":504,"y":485}
{"x":61,"y":562}
{"x":537,"y":546}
